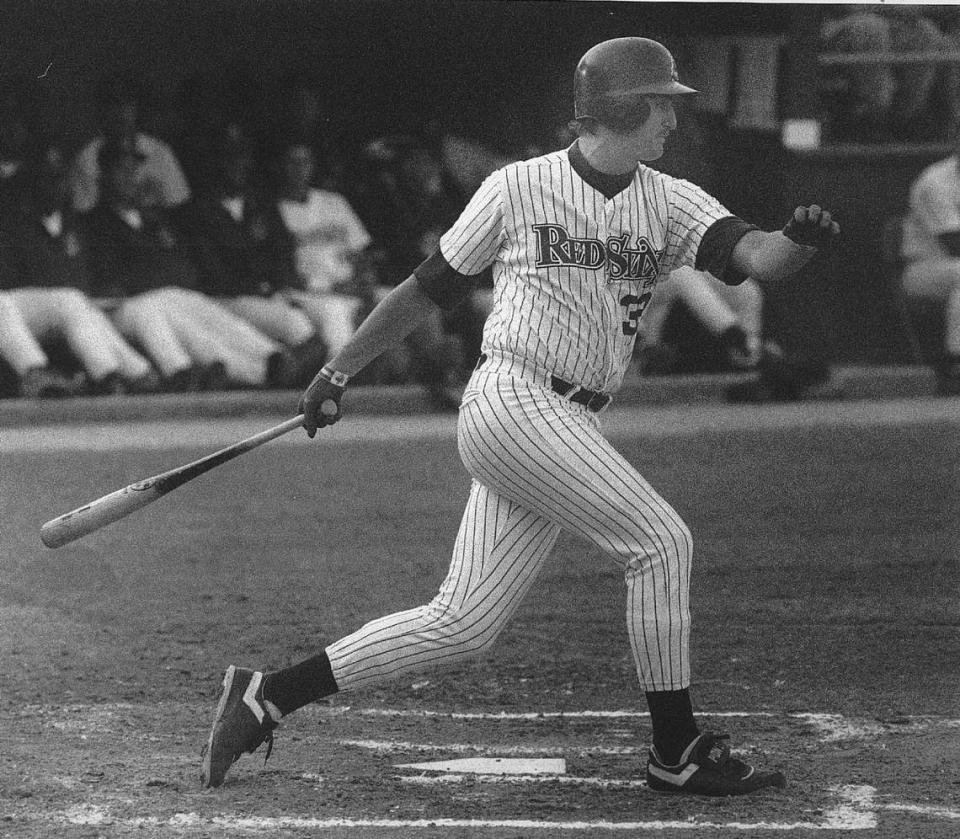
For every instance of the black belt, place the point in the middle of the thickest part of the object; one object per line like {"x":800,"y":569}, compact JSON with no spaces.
{"x":594,"y":400}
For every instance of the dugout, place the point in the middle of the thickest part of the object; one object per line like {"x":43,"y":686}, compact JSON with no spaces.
{"x":503,"y":69}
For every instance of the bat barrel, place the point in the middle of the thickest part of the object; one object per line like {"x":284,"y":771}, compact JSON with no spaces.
{"x":63,"y":529}
{"x":109,"y":508}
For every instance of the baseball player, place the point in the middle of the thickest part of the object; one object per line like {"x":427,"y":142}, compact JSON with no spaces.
{"x":930,"y":248}
{"x":578,"y":240}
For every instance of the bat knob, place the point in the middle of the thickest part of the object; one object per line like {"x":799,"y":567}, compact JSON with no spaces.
{"x":329,"y":408}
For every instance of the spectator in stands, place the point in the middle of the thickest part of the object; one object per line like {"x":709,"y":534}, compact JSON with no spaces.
{"x":17,"y":144}
{"x":245,"y":264}
{"x":732,"y":315}
{"x":118,"y":102}
{"x":466,"y":160}
{"x":333,"y":284}
{"x":140,"y":260}
{"x":407,"y":204}
{"x":930,"y":248}
{"x":881,"y":101}
{"x":200,"y":106}
{"x":300,"y":108}
{"x":732,"y":321}
{"x":188,"y":125}
{"x":45,"y":274}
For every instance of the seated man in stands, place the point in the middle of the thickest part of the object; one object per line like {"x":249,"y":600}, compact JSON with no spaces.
{"x":930,"y":248}
{"x":407,"y":203}
{"x":45,"y":274}
{"x":232,"y":232}
{"x":328,"y":242}
{"x":732,"y":315}
{"x":138,"y":258}
{"x":119,"y":107}
{"x":299,"y":107}
{"x":17,"y":146}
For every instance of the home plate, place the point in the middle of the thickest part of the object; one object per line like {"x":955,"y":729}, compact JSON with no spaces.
{"x":494,"y":766}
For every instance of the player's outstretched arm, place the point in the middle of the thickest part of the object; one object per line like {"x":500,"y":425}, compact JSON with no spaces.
{"x":771,"y":256}
{"x":395,"y":317}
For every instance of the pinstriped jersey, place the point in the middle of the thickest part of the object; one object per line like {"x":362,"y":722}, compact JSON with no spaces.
{"x":573,"y":271}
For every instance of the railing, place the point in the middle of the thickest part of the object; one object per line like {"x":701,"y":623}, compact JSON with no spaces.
{"x":836,"y":59}
{"x":857,"y":148}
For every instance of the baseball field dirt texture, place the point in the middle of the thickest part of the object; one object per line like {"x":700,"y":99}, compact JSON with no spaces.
{"x":825,"y":641}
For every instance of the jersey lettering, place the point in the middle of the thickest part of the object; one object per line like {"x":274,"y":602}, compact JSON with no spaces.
{"x":564,"y":256}
{"x":556,"y":248}
{"x":624,"y":263}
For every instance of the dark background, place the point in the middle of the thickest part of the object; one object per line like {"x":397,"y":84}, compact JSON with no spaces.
{"x":386,"y":61}
{"x":499,"y":71}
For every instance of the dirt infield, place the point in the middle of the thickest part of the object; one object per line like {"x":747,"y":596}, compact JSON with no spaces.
{"x":825,"y":637}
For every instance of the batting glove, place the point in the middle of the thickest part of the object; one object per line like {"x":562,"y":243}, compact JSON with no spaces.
{"x":320,"y":403}
{"x":811,"y":226}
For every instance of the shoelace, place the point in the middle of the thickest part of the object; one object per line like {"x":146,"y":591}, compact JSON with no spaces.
{"x":264,"y":737}
{"x":268,"y":739}
{"x":726,"y":763}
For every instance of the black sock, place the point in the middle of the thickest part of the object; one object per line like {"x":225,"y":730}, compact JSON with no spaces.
{"x":299,"y":685}
{"x":671,"y":715}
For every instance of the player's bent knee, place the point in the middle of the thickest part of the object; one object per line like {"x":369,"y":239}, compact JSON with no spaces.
{"x":669,"y":545}
{"x":461,"y":633}
{"x":683,"y":542}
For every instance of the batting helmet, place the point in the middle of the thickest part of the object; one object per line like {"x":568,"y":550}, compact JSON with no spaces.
{"x":612,"y":78}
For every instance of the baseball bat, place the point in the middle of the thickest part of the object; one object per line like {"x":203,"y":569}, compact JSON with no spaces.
{"x":116,"y":505}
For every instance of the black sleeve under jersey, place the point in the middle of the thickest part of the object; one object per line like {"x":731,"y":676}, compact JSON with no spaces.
{"x":443,"y":284}
{"x":717,"y":244}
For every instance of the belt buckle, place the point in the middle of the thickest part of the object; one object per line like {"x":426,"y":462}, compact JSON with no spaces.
{"x":598,"y":402}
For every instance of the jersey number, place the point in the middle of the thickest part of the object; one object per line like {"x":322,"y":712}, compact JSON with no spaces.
{"x":634,"y":306}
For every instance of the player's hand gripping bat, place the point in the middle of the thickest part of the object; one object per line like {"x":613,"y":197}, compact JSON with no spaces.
{"x":116,"y":505}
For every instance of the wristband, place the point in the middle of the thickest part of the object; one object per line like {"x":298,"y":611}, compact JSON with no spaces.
{"x":334,"y":377}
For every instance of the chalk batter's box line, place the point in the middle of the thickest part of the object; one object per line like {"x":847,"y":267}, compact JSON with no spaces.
{"x":854,"y":810}
{"x":830,"y":727}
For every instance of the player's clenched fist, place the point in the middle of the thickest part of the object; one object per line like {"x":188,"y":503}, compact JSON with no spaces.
{"x":320,"y":403}
{"x":811,"y":226}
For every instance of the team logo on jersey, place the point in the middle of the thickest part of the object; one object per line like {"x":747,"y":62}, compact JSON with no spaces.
{"x":556,"y":248}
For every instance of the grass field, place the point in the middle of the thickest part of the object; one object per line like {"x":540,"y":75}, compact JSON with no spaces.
{"x":825,"y":594}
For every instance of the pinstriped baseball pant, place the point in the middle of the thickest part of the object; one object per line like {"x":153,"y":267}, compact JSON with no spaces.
{"x":539,"y":464}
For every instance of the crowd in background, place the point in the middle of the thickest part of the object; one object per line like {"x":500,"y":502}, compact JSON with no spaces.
{"x":229,"y":240}
{"x":231,"y":248}
{"x":212,"y":244}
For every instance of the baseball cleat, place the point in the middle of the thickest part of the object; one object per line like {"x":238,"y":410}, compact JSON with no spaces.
{"x":706,"y":768}
{"x":241,"y":725}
